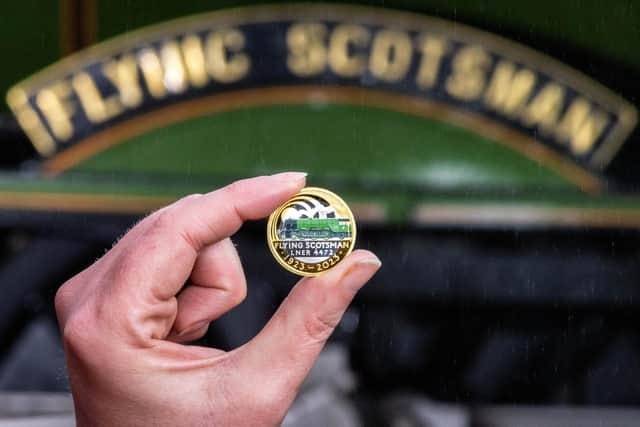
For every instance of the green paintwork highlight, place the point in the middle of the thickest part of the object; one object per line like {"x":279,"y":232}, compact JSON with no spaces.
{"x":344,"y":142}
{"x":352,"y":193}
{"x":609,"y":30}
{"x":397,"y":205}
{"x":29,"y":40}
{"x":86,"y":184}
{"x":315,"y":228}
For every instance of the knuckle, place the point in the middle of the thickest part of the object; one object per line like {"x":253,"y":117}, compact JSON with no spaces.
{"x":167,"y":216}
{"x":234,"y":193}
{"x":131,"y":265}
{"x":60,"y":300}
{"x":234,"y":188}
{"x":190,"y":198}
{"x":179,"y":203}
{"x":127,"y":265}
{"x":163,"y":226}
{"x":163,"y":219}
{"x":71,"y":332}
{"x":77,"y":330}
{"x":71,"y":292}
{"x":172,"y":221}
{"x":148,"y":221}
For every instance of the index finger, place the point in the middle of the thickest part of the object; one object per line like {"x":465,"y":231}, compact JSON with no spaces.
{"x":211,"y":217}
{"x":163,"y":254}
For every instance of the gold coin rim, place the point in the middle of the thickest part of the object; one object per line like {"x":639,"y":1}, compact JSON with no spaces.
{"x":323,"y":193}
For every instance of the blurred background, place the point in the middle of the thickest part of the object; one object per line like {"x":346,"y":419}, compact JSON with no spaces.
{"x":488,"y":149}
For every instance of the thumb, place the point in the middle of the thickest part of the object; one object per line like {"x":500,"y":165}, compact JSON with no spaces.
{"x":285,"y":350}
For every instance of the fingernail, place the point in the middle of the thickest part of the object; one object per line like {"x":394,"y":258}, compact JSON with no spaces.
{"x":290,"y":176}
{"x":193,"y":328}
{"x":356,"y":277}
{"x":374,"y":261}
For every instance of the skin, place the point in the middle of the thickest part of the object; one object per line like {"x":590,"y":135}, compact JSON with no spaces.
{"x":125,"y":319}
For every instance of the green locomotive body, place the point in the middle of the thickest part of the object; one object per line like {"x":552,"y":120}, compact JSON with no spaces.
{"x":316,"y":228}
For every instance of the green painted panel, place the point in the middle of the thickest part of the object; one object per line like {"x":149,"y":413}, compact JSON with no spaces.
{"x":29,"y":39}
{"x":586,"y":24}
{"x":402,"y":202}
{"x":335,"y":141}
{"x":83,"y":184}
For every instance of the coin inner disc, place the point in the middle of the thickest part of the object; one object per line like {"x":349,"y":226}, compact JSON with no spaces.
{"x":311,"y":232}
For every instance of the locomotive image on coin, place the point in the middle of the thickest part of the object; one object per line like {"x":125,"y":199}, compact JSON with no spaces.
{"x":311,"y":232}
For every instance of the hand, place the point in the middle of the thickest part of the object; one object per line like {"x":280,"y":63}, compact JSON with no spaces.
{"x":124,"y":318}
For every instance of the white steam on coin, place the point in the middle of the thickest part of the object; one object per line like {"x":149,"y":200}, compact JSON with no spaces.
{"x":309,"y":208}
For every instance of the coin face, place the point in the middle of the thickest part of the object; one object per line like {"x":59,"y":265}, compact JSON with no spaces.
{"x":311,"y":232}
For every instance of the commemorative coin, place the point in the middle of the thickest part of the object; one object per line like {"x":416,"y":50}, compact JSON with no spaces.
{"x":311,"y":232}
